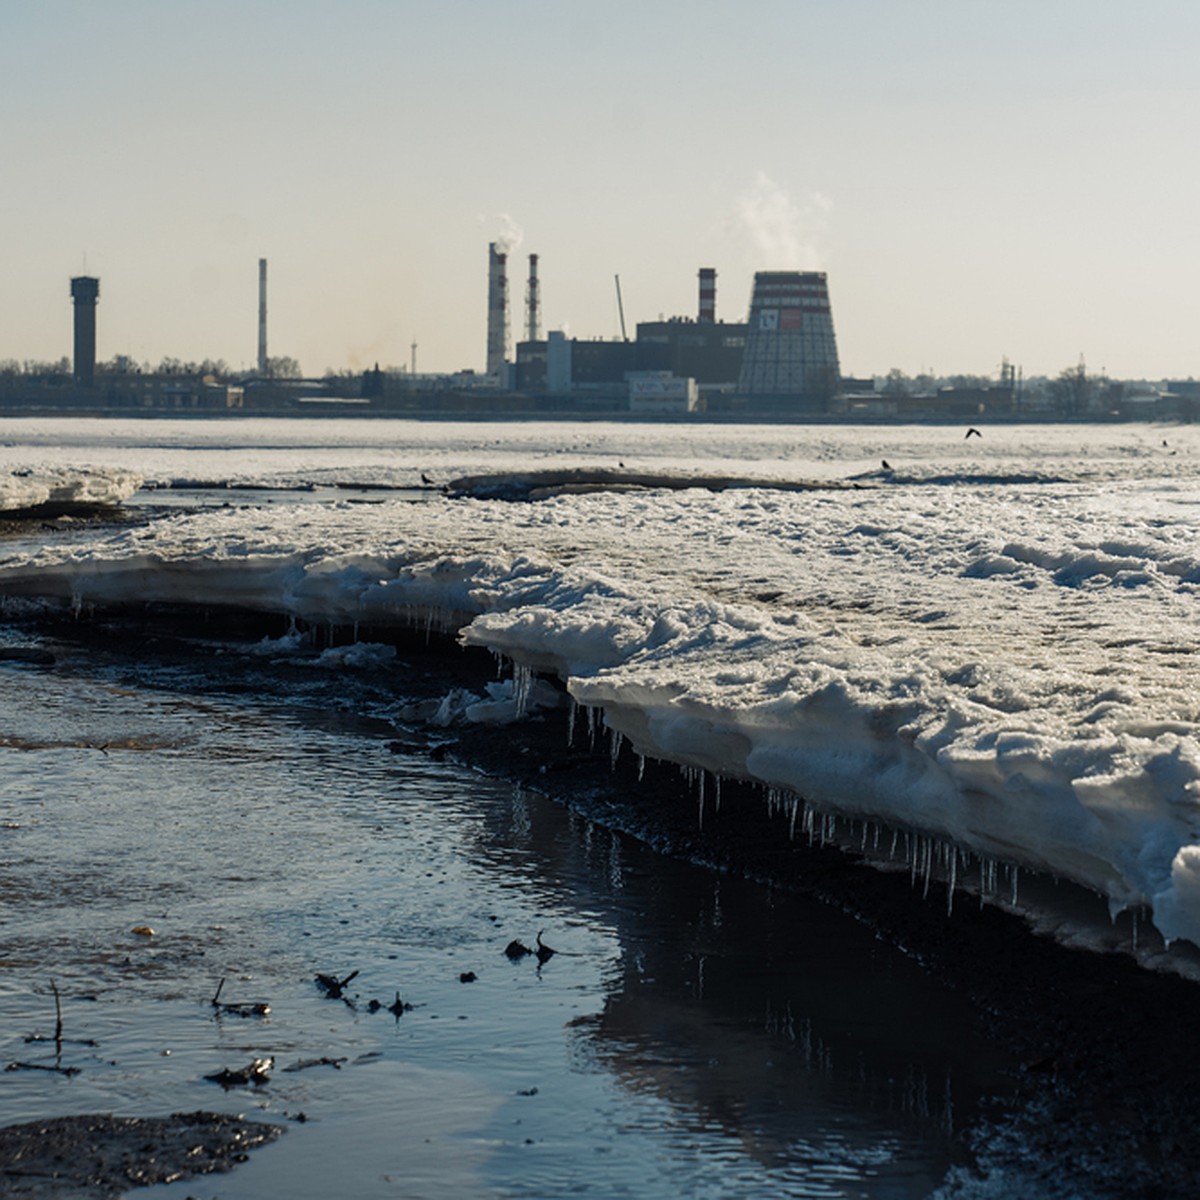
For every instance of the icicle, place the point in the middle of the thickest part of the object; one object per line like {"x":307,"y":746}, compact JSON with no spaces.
{"x":591,"y":723}
{"x":700,"y":800}
{"x":862,"y":846}
{"x":522,"y":688}
{"x":716,"y":793}
{"x":1015,"y":872}
{"x":952,"y":882}
{"x":895,"y":840}
{"x":615,"y":738}
{"x":641,"y":761}
{"x":948,"y":1107}
{"x":795,"y":805}
{"x":572,"y":709}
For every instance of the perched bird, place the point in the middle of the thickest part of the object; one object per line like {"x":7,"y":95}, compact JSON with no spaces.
{"x":425,"y":478}
{"x":887,"y":466}
{"x":543,"y":951}
{"x":974,"y":431}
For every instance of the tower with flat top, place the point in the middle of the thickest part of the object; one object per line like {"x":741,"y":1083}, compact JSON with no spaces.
{"x":85,"y":292}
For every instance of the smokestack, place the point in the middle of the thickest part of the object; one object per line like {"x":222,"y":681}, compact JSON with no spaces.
{"x":85,"y":292}
{"x":497,"y":323}
{"x":533,"y":302}
{"x":708,"y":295}
{"x":262,"y":317}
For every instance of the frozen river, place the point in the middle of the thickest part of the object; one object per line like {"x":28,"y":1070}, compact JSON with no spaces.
{"x":969,"y":656}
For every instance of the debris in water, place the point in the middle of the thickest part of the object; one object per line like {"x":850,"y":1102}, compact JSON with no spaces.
{"x":257,"y":1071}
{"x":242,"y":1008}
{"x":333,"y":986}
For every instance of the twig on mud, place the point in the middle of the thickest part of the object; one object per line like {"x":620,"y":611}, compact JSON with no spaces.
{"x":243,"y":1008}
{"x":58,"y":1038}
{"x":305,"y":1063}
{"x":24,"y":1066}
{"x":257,"y":1071}
{"x":333,"y":986}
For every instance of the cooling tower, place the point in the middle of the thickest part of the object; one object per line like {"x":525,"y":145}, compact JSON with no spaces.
{"x":85,"y":292}
{"x":790,"y":360}
{"x":497,"y":314}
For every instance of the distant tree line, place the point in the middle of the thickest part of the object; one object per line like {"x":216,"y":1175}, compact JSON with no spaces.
{"x":281,"y":367}
{"x":1073,"y":392}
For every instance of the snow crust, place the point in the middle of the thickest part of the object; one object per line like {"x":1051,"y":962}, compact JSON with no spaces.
{"x":32,"y":487}
{"x":992,"y":645}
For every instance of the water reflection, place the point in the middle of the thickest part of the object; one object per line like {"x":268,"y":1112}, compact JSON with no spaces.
{"x":694,"y":1034}
{"x":763,"y":1021}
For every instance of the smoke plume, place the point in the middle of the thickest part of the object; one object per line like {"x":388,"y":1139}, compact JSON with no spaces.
{"x":783,"y":235}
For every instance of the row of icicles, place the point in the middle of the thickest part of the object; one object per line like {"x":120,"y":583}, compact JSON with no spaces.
{"x":922,"y":853}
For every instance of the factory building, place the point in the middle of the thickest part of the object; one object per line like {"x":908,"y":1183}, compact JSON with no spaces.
{"x":790,"y":362}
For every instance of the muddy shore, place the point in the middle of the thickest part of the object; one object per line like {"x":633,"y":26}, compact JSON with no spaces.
{"x":99,"y":1157}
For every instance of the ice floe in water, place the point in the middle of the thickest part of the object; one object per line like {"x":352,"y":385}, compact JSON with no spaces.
{"x":992,"y":649}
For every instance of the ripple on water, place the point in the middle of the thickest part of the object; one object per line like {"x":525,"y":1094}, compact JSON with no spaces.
{"x":693,"y":1035}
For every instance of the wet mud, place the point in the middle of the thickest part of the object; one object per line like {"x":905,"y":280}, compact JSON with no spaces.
{"x":99,"y":1156}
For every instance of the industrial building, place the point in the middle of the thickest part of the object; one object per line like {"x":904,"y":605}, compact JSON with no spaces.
{"x":782,"y":360}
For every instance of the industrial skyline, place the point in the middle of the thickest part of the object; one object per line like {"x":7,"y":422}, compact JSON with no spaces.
{"x":981,"y":181}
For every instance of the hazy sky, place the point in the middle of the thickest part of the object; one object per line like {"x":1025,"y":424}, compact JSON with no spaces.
{"x":980,"y":178}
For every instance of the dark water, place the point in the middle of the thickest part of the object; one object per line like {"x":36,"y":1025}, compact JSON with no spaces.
{"x":694,"y":1035}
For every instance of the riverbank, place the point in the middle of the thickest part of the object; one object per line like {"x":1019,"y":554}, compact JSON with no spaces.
{"x":1095,"y":1048}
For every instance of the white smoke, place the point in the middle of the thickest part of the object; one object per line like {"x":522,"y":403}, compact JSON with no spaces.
{"x":783,"y":235}
{"x":510,"y":235}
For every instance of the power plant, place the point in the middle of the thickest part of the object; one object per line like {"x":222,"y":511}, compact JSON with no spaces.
{"x":85,"y":293}
{"x":781,"y":361}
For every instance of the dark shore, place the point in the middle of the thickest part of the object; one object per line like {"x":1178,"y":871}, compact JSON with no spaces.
{"x":1100,"y":1050}
{"x":99,"y":1157}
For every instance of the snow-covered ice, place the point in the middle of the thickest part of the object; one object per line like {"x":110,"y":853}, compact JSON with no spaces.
{"x":989,"y":644}
{"x":28,"y":487}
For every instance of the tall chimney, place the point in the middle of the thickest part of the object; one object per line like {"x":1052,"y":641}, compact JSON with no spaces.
{"x":262,"y":317}
{"x":85,"y":292}
{"x":708,"y":295}
{"x":533,"y":302}
{"x":497,"y":322}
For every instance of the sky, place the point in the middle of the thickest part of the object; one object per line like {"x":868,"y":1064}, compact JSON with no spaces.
{"x":981,"y":179}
